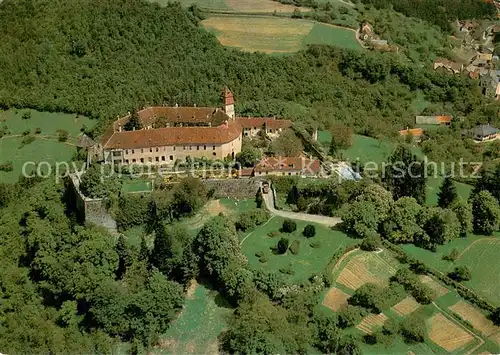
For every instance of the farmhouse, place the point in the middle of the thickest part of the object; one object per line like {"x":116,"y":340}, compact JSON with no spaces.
{"x":434,"y":120}
{"x":416,"y":133}
{"x":291,"y":166}
{"x":168,"y":134}
{"x":483,"y":133}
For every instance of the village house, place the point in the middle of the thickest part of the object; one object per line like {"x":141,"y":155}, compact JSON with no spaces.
{"x":169,"y":134}
{"x":448,"y":65}
{"x":415,"y":133}
{"x":288,"y":166}
{"x":490,"y":84}
{"x":434,"y":120}
{"x":483,"y":133}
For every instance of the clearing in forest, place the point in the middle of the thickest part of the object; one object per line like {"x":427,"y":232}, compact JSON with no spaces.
{"x":472,"y":315}
{"x":262,"y":6}
{"x":371,"y":322}
{"x":448,"y":334}
{"x":433,"y":284}
{"x":259,"y":34}
{"x":406,"y":306}
{"x":335,"y":299}
{"x":366,"y":267}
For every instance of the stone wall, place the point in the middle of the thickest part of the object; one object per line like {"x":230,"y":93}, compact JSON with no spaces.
{"x":232,"y":188}
{"x":92,"y":210}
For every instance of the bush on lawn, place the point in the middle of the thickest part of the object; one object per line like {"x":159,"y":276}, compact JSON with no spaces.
{"x":283,"y":245}
{"x":289,"y":226}
{"x":460,"y":273}
{"x":371,"y":243}
{"x":309,"y":231}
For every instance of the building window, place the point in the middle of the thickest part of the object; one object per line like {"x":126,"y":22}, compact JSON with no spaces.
{"x":174,"y":148}
{"x":142,"y":150}
{"x":126,"y":151}
{"x":150,"y":159}
{"x":185,"y":147}
{"x":142,"y":160}
{"x":204,"y":147}
{"x":126,"y":161}
{"x":157,"y":159}
{"x":270,"y":130}
{"x":157,"y":149}
{"x":132,"y":151}
{"x":151,"y":150}
{"x":117,"y":154}
{"x":197,"y":147}
{"x":163,"y":158}
{"x":214,"y":147}
{"x":171,"y":157}
{"x":190,"y":148}
{"x":214,"y":154}
{"x":133,"y":160}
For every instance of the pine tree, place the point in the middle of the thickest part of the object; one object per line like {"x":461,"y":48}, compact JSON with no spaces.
{"x":125,"y":257}
{"x":144,"y":251}
{"x":134,"y":122}
{"x":447,"y":193}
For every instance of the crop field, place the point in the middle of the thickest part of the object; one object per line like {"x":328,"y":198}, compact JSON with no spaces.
{"x":335,"y":299}
{"x":314,"y":254}
{"x":45,"y":147}
{"x":214,"y":5}
{"x":196,"y":329}
{"x":475,"y":317}
{"x":372,"y":322}
{"x":366,"y":267}
{"x":406,"y":306}
{"x":434,"y":285}
{"x":448,"y":334}
{"x":270,"y":34}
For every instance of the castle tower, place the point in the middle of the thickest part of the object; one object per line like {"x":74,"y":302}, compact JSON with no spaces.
{"x":228,"y":100}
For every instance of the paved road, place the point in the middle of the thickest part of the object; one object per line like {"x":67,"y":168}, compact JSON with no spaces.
{"x":327,"y":221}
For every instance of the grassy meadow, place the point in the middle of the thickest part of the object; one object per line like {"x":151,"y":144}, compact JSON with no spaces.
{"x":307,"y":262}
{"x":335,"y":36}
{"x":45,"y":146}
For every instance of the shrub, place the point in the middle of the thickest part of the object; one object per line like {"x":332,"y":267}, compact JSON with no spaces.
{"x":309,"y":231}
{"x":460,"y":273}
{"x":26,"y":115}
{"x":350,"y":316}
{"x":283,"y":245}
{"x":27,"y":140}
{"x":423,"y":294}
{"x":273,"y":234}
{"x":302,"y":203}
{"x":295,"y":247}
{"x":26,"y":132}
{"x":371,"y":243}
{"x":289,"y":226}
{"x":287,"y":270}
{"x":259,"y":253}
{"x":62,"y":135}
{"x":7,"y":166}
{"x":250,"y":219}
{"x":263,"y":258}
{"x":38,"y":130}
{"x":452,"y":256}
{"x":413,"y":329}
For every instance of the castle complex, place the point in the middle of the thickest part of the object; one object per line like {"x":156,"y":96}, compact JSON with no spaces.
{"x":168,"y":134}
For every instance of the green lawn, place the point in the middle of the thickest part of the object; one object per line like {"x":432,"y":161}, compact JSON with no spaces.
{"x":479,"y":253}
{"x":46,"y":147}
{"x":137,"y":185}
{"x":331,"y":35}
{"x":308,"y":262}
{"x":196,"y":329}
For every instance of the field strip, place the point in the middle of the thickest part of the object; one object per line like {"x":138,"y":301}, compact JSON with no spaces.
{"x":481,"y":341}
{"x":335,"y":299}
{"x":343,"y":258}
{"x":472,"y":315}
{"x":249,"y":234}
{"x":391,"y":267}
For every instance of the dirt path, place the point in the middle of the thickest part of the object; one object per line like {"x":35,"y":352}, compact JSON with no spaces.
{"x":327,"y":221}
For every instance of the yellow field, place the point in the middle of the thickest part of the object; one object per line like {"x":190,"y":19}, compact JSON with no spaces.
{"x":371,"y":322}
{"x":478,"y":320}
{"x":447,"y":334}
{"x":365,"y":268}
{"x":406,"y":306}
{"x":335,"y":299}
{"x":259,"y":34}
{"x":262,"y":6}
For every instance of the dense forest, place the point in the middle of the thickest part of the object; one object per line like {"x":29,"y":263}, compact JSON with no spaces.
{"x":104,"y":58}
{"x":440,"y":12}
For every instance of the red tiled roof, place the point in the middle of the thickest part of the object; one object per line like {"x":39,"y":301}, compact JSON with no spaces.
{"x":289,"y":164}
{"x":146,"y":138}
{"x":228,"y":97}
{"x":260,"y":122}
{"x":415,"y":132}
{"x":444,"y":119}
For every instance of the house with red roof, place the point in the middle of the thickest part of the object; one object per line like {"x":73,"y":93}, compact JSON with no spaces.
{"x":288,"y":166}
